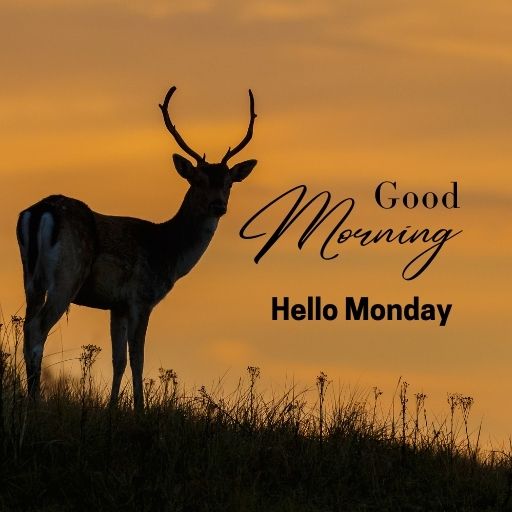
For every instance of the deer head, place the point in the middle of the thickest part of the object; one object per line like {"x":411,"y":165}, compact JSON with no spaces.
{"x":210,"y":183}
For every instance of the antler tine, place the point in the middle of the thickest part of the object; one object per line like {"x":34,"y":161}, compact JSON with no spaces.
{"x":172,"y":128}
{"x":248,"y":136}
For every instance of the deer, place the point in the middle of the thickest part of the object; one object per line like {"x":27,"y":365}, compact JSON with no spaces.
{"x":73,"y":255}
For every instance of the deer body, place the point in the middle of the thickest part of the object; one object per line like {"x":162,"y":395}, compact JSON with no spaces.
{"x":71,"y":254}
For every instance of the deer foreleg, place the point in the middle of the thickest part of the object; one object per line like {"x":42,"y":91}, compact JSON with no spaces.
{"x":137,"y":326}
{"x":119,"y":336}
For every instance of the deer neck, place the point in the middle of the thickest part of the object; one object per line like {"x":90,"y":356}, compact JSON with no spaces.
{"x":189,"y":235}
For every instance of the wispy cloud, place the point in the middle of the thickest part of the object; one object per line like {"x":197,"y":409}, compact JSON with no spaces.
{"x":285,"y":10}
{"x":165,"y":8}
{"x":149,"y":8}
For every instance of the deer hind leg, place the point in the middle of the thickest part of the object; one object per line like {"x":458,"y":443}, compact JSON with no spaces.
{"x":32,"y":338}
{"x":137,"y":326}
{"x":49,"y":291}
{"x":119,"y":335}
{"x":36,"y":332}
{"x":30,"y":242}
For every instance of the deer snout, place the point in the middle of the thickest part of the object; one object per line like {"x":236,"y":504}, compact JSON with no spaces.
{"x":218,"y":208}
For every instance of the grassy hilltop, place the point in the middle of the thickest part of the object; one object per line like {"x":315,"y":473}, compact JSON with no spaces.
{"x":204,"y":450}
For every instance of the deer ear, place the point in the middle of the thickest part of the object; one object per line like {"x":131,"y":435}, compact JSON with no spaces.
{"x":241,"y":170}
{"x":184,"y":167}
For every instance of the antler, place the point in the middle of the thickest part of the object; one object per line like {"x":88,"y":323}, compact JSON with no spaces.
{"x":172,"y":128}
{"x":232,"y":152}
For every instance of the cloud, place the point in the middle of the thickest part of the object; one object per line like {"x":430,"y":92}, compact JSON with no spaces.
{"x":148,"y":8}
{"x":165,"y":8}
{"x":285,"y":10}
{"x":435,"y":29}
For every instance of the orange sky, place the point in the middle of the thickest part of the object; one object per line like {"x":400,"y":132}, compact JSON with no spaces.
{"x":348,"y":94}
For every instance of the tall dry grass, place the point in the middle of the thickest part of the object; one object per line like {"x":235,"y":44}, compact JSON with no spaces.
{"x":208,"y":449}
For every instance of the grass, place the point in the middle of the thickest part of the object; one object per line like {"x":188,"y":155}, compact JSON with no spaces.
{"x":206,"y":450}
